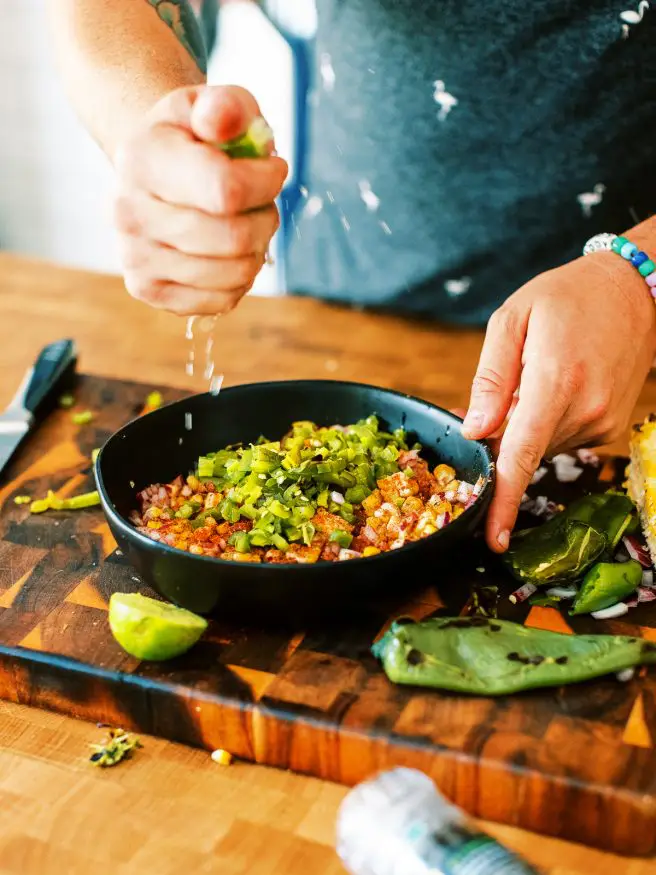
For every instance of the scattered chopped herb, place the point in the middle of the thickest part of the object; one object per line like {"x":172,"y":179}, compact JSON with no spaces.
{"x":118,"y":746}
{"x":483,"y":601}
{"x":544,"y":601}
{"x":66,"y":401}
{"x":22,"y":499}
{"x":77,"y":502}
{"x":82,"y":418}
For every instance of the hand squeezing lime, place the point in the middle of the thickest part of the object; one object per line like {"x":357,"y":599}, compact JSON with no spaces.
{"x":150,"y":629}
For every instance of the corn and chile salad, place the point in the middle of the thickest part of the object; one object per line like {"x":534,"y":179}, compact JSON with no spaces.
{"x":329,"y":494}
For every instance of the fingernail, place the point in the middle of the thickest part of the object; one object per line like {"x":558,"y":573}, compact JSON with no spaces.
{"x":473,"y":423}
{"x":503,"y":539}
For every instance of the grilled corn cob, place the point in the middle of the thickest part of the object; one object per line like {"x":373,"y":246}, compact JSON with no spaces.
{"x":641,"y":480}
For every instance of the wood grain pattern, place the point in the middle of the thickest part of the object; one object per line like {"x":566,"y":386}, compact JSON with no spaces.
{"x":167,"y":810}
{"x":576,"y":762}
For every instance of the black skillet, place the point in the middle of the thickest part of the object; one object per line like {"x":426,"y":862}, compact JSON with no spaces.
{"x":159,"y":446}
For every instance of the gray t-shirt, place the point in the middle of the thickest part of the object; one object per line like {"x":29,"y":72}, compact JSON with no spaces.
{"x":460,"y":147}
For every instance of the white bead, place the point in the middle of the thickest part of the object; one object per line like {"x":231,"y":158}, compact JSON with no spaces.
{"x":599,"y":243}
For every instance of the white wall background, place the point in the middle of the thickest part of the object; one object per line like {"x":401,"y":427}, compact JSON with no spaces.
{"x":55,"y":184}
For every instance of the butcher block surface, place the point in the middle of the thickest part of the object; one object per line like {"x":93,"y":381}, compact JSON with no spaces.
{"x":577,"y":762}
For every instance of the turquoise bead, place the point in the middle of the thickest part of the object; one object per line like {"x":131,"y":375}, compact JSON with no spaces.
{"x":647,"y":267}
{"x":617,"y":244}
{"x":628,"y":250}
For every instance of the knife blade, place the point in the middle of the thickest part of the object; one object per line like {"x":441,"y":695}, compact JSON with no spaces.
{"x":36,"y":388}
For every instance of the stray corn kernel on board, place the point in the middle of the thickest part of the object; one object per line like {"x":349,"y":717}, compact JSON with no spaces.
{"x":577,"y":761}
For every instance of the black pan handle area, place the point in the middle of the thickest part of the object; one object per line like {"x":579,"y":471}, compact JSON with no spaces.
{"x":51,"y":365}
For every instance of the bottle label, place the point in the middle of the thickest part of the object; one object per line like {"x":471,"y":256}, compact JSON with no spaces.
{"x":481,"y":855}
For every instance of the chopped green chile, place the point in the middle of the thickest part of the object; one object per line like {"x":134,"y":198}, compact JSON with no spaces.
{"x":279,"y":485}
{"x":544,"y":601}
{"x":559,"y":550}
{"x":53,"y":502}
{"x":610,"y":513}
{"x":492,"y":657}
{"x":241,"y":542}
{"x":341,"y":537}
{"x":606,"y":584}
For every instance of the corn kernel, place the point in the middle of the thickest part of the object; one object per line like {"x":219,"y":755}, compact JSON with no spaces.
{"x":444,"y":474}
{"x":222,"y":757}
{"x":370,"y":551}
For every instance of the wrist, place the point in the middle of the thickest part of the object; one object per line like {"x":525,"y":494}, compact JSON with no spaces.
{"x":627,"y":282}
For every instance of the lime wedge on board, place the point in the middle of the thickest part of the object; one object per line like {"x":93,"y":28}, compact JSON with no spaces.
{"x":150,"y":629}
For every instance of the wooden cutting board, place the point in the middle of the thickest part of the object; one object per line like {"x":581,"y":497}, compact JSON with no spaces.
{"x":578,"y":762}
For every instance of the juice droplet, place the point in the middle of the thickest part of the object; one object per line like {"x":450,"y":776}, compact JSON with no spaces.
{"x":189,"y":333}
{"x":215,"y":385}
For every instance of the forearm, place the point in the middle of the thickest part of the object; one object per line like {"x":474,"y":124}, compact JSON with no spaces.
{"x":119,"y":57}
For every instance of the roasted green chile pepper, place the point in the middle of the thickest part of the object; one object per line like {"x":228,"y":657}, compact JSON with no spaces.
{"x":606,"y":584}
{"x":560,"y":550}
{"x":610,"y":513}
{"x":495,"y":657}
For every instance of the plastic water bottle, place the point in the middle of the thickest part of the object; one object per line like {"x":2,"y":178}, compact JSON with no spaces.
{"x":398,"y":824}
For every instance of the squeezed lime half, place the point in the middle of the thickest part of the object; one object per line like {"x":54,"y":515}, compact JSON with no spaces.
{"x":150,"y":629}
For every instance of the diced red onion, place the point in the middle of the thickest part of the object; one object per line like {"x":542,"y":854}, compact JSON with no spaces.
{"x":337,"y":497}
{"x":539,"y":474}
{"x":642,"y":596}
{"x":464,"y":491}
{"x":587,"y":457}
{"x":646,"y":595}
{"x":370,"y":534}
{"x":524,"y":592}
{"x":625,"y":675}
{"x":408,"y":456}
{"x":478,"y":486}
{"x":526,"y":503}
{"x":636,"y":550}
{"x":567,"y":471}
{"x":562,"y":592}
{"x":542,"y":506}
{"x":348,"y":554}
{"x":450,"y":495}
{"x":440,"y":520}
{"x":471,"y":501}
{"x":617,"y":610}
{"x":648,"y":578}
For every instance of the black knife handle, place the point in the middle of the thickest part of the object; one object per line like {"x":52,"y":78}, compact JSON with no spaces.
{"x":52,"y":363}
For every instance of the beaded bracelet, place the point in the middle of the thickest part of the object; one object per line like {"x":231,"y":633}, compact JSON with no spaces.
{"x":629,"y":252}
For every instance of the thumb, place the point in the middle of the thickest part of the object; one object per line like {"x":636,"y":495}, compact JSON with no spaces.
{"x":222,"y":113}
{"x":498,"y":373}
